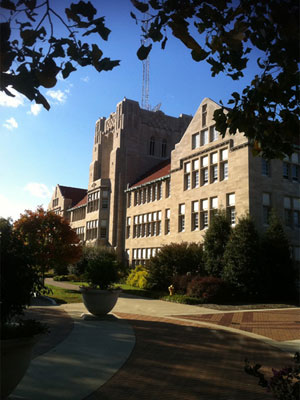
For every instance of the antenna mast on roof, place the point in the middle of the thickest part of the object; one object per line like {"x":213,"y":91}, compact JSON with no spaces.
{"x":145,"y":86}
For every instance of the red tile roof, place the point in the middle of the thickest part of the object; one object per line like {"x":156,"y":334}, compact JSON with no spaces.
{"x":82,"y":202}
{"x":75,"y":194}
{"x":160,"y":170}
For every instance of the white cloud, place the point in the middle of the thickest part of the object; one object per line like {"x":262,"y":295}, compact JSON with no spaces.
{"x":85,"y":79}
{"x":8,"y":101}
{"x":38,"y":190}
{"x":35,"y":109}
{"x":13,"y":207}
{"x":11,"y":124}
{"x":57,"y":95}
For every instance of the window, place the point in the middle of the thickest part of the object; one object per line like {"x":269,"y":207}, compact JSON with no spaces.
{"x":286,"y":170}
{"x":230,"y":209}
{"x":195,"y":215}
{"x":187,"y":176}
{"x":164,"y":148}
{"x":204,"y":176}
{"x":196,"y":141}
{"x":266,"y":210}
{"x":224,"y":170}
{"x":204,"y":170}
{"x":213,"y":206}
{"x":104,"y":203}
{"x":92,"y":229}
{"x":295,"y":173}
{"x":167,"y":221}
{"x":103,"y":228}
{"x":129,"y":199}
{"x":181,"y":218}
{"x":204,"y":137}
{"x":152,"y":146}
{"x":213,"y":134}
{"x":80,"y":233}
{"x":154,"y":192}
{"x":159,"y":191}
{"x":224,"y":154}
{"x":93,"y":202}
{"x":291,"y":167}
{"x":128,"y":223}
{"x":292,"y":212}
{"x":214,"y":167}
{"x":265,"y":167}
{"x":204,"y":114}
{"x":168,"y":188}
{"x":204,"y":214}
{"x":195,"y":173}
{"x":55,"y":203}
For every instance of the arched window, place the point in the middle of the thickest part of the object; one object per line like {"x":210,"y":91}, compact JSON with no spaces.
{"x":152,"y":146}
{"x":164,"y":148}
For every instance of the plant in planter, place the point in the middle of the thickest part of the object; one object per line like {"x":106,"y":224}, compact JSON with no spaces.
{"x":19,"y":280}
{"x":101,"y":271}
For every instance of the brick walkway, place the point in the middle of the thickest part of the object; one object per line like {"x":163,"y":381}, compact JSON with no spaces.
{"x":178,"y":360}
{"x":279,"y":325}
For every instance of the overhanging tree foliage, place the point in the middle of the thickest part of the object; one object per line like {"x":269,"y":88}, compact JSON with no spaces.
{"x":31,"y":53}
{"x":226,"y":34}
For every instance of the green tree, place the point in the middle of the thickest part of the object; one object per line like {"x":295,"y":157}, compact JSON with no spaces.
{"x":242,"y":259}
{"x":214,"y":244}
{"x":174,"y":259}
{"x":50,"y":240}
{"x":226,"y":34}
{"x":32,"y":55}
{"x":19,"y":279}
{"x":278,"y":275}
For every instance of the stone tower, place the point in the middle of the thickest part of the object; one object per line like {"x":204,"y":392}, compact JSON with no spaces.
{"x":127,"y":144}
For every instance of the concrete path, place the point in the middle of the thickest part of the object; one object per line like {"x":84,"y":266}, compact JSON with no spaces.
{"x":150,"y":349}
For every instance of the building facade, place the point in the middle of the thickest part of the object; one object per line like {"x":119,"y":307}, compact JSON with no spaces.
{"x":156,"y":179}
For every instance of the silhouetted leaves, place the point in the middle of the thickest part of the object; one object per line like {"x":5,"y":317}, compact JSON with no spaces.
{"x":26,"y":69}
{"x":268,"y":109}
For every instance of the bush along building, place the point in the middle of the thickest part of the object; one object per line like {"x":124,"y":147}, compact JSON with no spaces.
{"x":156,"y":179}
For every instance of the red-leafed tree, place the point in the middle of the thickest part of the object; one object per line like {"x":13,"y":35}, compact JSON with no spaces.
{"x":50,"y":239}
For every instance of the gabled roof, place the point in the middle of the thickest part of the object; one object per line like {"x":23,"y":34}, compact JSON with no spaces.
{"x":75,"y":194}
{"x":159,"y":171}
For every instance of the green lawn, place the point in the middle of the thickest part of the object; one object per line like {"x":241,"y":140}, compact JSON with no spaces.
{"x":62,"y":296}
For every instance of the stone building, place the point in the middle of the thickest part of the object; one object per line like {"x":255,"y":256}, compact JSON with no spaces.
{"x":129,"y":141}
{"x":156,"y":179}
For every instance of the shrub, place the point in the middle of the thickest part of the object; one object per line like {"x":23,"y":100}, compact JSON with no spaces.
{"x":180,"y":283}
{"x":138,"y":277}
{"x":174,"y":259}
{"x":60,"y":269}
{"x":208,"y":288}
{"x":60,"y":278}
{"x":215,"y":240}
{"x":19,"y":281}
{"x":242,"y":259}
{"x":284,"y":384}
{"x":101,"y":268}
{"x":278,"y":275}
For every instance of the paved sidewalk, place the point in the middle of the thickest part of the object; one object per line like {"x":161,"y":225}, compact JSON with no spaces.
{"x":151,"y":349}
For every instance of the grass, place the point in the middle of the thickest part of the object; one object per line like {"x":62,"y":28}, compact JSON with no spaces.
{"x":63,"y":296}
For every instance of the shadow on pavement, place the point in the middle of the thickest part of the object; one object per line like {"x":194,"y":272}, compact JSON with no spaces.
{"x":176,"y":361}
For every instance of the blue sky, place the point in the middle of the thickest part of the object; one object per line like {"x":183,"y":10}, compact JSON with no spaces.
{"x":40,"y":148}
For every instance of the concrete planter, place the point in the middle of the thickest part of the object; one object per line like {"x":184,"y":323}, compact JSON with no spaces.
{"x":15,"y":359}
{"x":99,"y":302}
